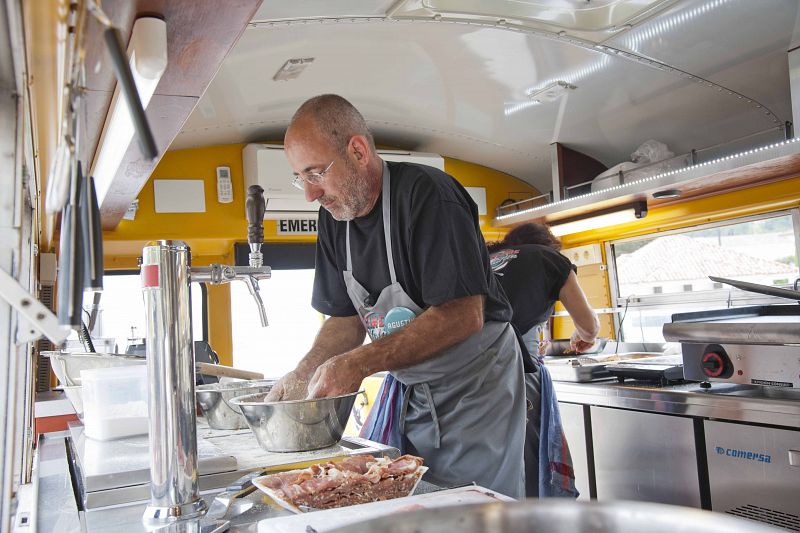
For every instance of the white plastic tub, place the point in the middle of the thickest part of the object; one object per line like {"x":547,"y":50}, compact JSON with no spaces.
{"x":115,"y":402}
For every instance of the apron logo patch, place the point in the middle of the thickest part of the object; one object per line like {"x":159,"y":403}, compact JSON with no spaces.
{"x":499,"y":260}
{"x":374,"y":322}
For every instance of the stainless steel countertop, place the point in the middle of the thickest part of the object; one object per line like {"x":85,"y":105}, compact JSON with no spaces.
{"x":57,"y":509}
{"x":736,"y":403}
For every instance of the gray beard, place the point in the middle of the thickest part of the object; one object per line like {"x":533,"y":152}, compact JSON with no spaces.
{"x":354,"y":197}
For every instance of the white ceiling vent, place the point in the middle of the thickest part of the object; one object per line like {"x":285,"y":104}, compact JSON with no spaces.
{"x":292,"y":68}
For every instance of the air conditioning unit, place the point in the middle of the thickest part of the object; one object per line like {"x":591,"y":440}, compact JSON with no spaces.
{"x":266,"y":165}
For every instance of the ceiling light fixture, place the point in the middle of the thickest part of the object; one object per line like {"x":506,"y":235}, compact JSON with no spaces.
{"x":147,"y":51}
{"x":599,"y":219}
{"x":292,"y":68}
{"x":667,"y":193}
{"x":551,"y":92}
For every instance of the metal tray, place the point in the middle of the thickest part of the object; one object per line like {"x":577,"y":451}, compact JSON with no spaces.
{"x":573,"y":370}
{"x":590,"y":367}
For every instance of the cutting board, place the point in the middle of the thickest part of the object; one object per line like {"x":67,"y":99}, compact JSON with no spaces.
{"x":322,"y":521}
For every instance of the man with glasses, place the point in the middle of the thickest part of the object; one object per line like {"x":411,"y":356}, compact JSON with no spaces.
{"x":400,"y":256}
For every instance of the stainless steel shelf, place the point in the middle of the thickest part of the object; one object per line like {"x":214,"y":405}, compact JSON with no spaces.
{"x":736,"y":403}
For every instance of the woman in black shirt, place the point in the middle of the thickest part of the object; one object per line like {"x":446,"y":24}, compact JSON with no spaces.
{"x":534,"y":275}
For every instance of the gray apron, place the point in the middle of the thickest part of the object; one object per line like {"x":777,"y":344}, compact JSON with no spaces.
{"x":464,"y":410}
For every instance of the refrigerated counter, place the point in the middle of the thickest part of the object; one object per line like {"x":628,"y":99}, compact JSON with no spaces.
{"x":731,"y":448}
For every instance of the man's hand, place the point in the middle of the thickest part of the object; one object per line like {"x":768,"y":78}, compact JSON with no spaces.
{"x":292,"y":386}
{"x":337,"y":376}
{"x":577,"y":344}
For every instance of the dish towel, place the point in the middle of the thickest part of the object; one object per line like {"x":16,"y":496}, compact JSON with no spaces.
{"x":556,"y":475}
{"x":382,"y":424}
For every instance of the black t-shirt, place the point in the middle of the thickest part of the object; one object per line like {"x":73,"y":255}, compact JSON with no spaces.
{"x":532,"y":276}
{"x":439,"y":252}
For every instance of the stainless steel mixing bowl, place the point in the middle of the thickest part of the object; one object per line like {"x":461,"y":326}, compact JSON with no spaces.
{"x":215,"y":399}
{"x":299,"y":425}
{"x":554,"y":516}
{"x":68,"y":366}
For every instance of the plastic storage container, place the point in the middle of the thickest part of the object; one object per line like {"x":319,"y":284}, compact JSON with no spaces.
{"x":115,"y":402}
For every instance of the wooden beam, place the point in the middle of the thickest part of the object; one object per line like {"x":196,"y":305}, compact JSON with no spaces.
{"x":166,"y":115}
{"x":199,"y":37}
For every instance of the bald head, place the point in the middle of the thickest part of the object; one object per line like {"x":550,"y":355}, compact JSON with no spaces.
{"x":330,"y":148}
{"x":333,"y":119}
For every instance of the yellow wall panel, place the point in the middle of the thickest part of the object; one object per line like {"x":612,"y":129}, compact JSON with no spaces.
{"x":212,"y":234}
{"x":593,"y":279}
{"x":563,"y":326}
{"x":219,"y":320}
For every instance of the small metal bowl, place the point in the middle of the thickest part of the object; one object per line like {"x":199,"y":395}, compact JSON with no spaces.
{"x":215,"y":399}
{"x":298,"y":425}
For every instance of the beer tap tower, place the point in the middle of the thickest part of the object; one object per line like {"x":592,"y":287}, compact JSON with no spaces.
{"x":166,"y":273}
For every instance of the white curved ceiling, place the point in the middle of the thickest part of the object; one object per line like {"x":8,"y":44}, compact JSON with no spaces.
{"x":446,"y":84}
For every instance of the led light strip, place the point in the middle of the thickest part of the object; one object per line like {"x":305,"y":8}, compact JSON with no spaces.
{"x":649,"y":179}
{"x":651,"y":30}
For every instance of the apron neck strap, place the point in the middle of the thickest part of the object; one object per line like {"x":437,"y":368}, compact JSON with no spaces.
{"x":387,"y":226}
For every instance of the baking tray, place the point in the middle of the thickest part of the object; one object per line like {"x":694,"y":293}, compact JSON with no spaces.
{"x":574,"y":370}
{"x":664,"y":369}
{"x":328,"y":520}
{"x":591,"y":367}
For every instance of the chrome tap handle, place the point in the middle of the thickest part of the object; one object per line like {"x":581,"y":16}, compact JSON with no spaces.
{"x":216,"y":274}
{"x":254,"y":207}
{"x":252,"y":286}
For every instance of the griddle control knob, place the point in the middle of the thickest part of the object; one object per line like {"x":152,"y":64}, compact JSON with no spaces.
{"x":716,"y":363}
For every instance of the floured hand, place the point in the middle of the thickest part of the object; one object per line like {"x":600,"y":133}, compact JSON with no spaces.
{"x":335,"y":377}
{"x":292,"y":386}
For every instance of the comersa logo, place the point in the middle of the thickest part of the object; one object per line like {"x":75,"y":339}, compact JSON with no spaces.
{"x":744,"y":454}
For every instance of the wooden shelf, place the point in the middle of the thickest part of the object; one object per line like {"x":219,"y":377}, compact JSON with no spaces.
{"x":747,"y":169}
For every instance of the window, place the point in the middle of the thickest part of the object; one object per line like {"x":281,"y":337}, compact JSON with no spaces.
{"x":656,"y":276}
{"x":121,"y":314}
{"x":293,"y":323}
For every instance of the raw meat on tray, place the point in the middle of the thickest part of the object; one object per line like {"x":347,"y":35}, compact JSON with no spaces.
{"x":351,"y":481}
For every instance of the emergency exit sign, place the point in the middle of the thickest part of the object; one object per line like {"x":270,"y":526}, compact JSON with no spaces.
{"x":297,"y":226}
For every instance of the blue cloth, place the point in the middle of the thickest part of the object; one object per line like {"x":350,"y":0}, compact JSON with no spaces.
{"x":382,"y":424}
{"x":556,"y":475}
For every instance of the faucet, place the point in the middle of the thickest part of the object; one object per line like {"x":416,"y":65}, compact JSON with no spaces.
{"x":166,"y":273}
{"x":255,"y":206}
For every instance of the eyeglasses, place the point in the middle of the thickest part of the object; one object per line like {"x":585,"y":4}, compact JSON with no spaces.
{"x":314,"y":178}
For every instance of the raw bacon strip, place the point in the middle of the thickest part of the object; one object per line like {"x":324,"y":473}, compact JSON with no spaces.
{"x":354,"y":480}
{"x":357,"y":463}
{"x":406,"y":464}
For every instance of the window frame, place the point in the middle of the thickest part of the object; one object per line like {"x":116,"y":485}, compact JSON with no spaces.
{"x":203,"y":293}
{"x":730,"y":296}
